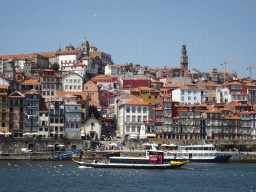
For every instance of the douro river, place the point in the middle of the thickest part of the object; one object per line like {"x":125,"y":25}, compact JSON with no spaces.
{"x":68,"y":176}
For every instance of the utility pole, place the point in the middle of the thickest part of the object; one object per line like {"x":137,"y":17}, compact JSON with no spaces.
{"x":225,"y":63}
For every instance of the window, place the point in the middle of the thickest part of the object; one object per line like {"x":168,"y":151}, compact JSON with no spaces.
{"x":133,"y":128}
{"x":139,"y":109}
{"x":139,"y":119}
{"x":79,"y":80}
{"x":70,"y":81}
{"x":195,"y":92}
{"x":79,"y":86}
{"x":66,"y":86}
{"x":128,"y":119}
{"x":67,"y":125}
{"x":149,"y":96}
{"x":182,"y":98}
{"x":144,"y":109}
{"x":189,"y":98}
{"x":155,"y":97}
{"x":3,"y":107}
{"x":74,"y":86}
{"x":44,"y":93}
{"x":70,"y":87}
{"x":127,"y":109}
{"x":52,"y":92}
{"x":144,"y":118}
{"x":48,"y":92}
{"x":133,"y":109}
{"x":133,"y":119}
{"x":75,"y":80}
{"x":189,"y":91}
{"x":51,"y":120}
{"x":195,"y":98}
{"x":182,"y":92}
{"x":61,"y":120}
{"x":43,"y":122}
{"x":127,"y":128}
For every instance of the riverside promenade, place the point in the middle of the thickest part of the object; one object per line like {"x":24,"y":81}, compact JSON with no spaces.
{"x":242,"y":157}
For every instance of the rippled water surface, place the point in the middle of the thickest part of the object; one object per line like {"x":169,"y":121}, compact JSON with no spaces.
{"x":68,"y":176}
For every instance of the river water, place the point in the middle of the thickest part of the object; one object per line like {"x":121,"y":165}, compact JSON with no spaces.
{"x":68,"y":176}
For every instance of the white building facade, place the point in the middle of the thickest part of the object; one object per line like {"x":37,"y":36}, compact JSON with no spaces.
{"x":131,"y":116}
{"x":72,"y":82}
{"x":189,"y":94}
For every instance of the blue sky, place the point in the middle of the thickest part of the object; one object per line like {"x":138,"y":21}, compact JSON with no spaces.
{"x":142,"y":32}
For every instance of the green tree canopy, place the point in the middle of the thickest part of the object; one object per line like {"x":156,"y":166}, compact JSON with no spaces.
{"x":55,"y":66}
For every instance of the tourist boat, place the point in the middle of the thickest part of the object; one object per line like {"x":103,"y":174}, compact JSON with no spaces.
{"x":154,"y":160}
{"x":197,"y":153}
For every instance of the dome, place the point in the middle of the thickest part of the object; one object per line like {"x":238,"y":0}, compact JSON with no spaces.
{"x":85,"y":42}
{"x":70,"y":45}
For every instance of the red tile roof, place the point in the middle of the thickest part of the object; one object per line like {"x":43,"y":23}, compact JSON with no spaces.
{"x":136,"y":102}
{"x":30,"y":82}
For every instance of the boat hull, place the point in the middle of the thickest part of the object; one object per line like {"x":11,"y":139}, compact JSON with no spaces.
{"x":217,"y":159}
{"x":131,"y":166}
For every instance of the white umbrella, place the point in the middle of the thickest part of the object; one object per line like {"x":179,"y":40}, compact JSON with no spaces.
{"x":171,"y":145}
{"x":82,"y":134}
{"x":113,"y":144}
{"x":50,"y":146}
{"x":1,"y":133}
{"x":147,"y":144}
{"x":60,"y":145}
{"x":8,"y":133}
{"x":164,"y":144}
{"x":53,"y":132}
{"x":35,"y":133}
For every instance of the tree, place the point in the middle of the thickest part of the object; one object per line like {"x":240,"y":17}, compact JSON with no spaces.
{"x":55,"y":66}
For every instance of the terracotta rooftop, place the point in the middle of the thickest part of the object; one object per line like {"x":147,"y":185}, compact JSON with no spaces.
{"x":67,"y":52}
{"x":4,"y":86}
{"x":83,"y":95}
{"x":33,"y":92}
{"x":136,"y":102}
{"x":30,"y":82}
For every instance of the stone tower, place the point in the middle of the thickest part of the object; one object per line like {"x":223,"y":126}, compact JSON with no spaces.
{"x":184,"y":57}
{"x":85,"y":48}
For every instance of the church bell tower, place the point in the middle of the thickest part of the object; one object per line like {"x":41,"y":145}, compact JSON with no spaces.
{"x":184,"y":57}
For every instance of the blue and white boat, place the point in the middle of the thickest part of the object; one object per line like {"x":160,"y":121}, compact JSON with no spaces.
{"x":197,"y":153}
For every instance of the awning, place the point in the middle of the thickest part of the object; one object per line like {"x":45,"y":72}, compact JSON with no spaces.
{"x":60,"y":145}
{"x":150,"y":135}
{"x":49,"y":146}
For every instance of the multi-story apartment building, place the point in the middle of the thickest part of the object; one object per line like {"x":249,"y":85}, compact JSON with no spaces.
{"x":30,"y":84}
{"x":253,"y":124}
{"x":72,"y":117}
{"x":32,"y":100}
{"x":3,"y":109}
{"x":16,"y":108}
{"x":147,"y":94}
{"x":190,"y":124}
{"x":131,"y":116}
{"x":44,"y":120}
{"x":57,"y":118}
{"x":72,"y":82}
{"x":189,"y":94}
{"x":51,"y":83}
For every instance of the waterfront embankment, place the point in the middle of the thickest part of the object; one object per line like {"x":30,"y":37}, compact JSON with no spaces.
{"x":243,"y":157}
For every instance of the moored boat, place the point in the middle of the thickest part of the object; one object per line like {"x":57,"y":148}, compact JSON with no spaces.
{"x":198,"y":153}
{"x":154,"y":161}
